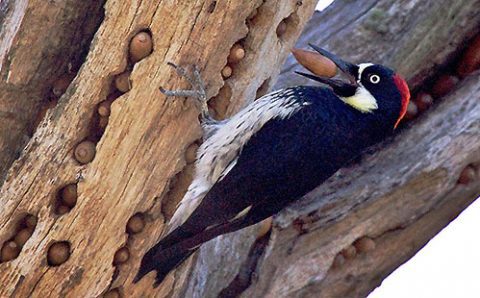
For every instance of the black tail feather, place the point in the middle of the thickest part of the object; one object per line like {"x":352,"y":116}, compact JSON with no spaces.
{"x":162,"y":261}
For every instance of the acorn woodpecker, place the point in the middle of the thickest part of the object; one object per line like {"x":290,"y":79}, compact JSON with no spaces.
{"x":274,"y":151}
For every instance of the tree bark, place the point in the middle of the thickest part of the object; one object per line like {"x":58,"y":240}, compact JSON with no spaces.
{"x":400,"y":194}
{"x":139,"y":165}
{"x":42,"y":42}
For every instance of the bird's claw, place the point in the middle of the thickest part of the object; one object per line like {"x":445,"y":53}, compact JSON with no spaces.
{"x":198,"y":88}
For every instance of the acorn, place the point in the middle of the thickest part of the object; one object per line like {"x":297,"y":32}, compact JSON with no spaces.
{"x":316,"y":63}
{"x":10,"y":250}
{"x":227,"y":72}
{"x":61,"y":84}
{"x":121,"y":256}
{"x":135,"y":224}
{"x":114,"y":293}
{"x":22,"y":236}
{"x":30,"y":221}
{"x":265,"y":227}
{"x":122,"y":82}
{"x":281,"y":28}
{"x":69,"y":195}
{"x":237,"y":53}
{"x":104,"y":108}
{"x":444,"y":85}
{"x":364,"y":244}
{"x":191,"y":153}
{"x":103,"y":122}
{"x":62,"y":209}
{"x":58,"y":253}
{"x":470,"y":60}
{"x":85,"y":152}
{"x":338,"y":261}
{"x":423,"y":101}
{"x":350,"y":252}
{"x":412,"y":111}
{"x":141,"y":46}
{"x":467,"y":175}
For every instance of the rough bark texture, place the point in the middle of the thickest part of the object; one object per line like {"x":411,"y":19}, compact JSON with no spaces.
{"x":142,"y":150}
{"x":40,"y":41}
{"x":401,"y":195}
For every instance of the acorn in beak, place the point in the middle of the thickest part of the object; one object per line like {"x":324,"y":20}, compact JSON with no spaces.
{"x":323,"y":65}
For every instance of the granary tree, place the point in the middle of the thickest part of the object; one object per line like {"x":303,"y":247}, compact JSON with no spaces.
{"x":94,"y":159}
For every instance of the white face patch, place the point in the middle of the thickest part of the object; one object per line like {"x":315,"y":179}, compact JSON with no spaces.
{"x":361,"y":68}
{"x":362,"y":100}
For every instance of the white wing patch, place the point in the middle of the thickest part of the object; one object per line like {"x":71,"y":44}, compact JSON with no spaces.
{"x":219,"y":152}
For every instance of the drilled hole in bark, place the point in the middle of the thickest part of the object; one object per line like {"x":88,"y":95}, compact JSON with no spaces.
{"x":113,"y":293}
{"x":220,"y":102}
{"x":58,"y":253}
{"x":263,"y":89}
{"x":66,"y":199}
{"x":287,"y":27}
{"x":141,"y":45}
{"x":23,"y":231}
{"x":211,"y":7}
{"x":136,"y":223}
{"x":179,"y":186}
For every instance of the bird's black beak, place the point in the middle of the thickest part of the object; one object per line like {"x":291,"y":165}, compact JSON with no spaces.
{"x":339,"y":86}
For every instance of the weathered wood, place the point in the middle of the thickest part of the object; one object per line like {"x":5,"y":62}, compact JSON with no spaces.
{"x":142,"y":150}
{"x":396,"y":33}
{"x":346,"y":28}
{"x":40,"y":41}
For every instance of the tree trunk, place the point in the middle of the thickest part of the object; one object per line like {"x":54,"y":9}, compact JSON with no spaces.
{"x":139,"y":163}
{"x":400,"y":194}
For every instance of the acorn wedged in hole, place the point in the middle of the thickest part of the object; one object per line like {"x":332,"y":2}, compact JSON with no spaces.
{"x":281,"y":28}
{"x":104,"y":108}
{"x":85,"y":152}
{"x":122,"y":82}
{"x":69,"y":195}
{"x":317,"y":64}
{"x":58,"y":253}
{"x":364,"y":244}
{"x":10,"y":250}
{"x":30,"y":221}
{"x":467,"y":175}
{"x":444,"y":85}
{"x":339,"y":261}
{"x":423,"y":101}
{"x":135,"y":224}
{"x":22,"y":236}
{"x":227,"y":72}
{"x":237,"y":53}
{"x":350,"y":252}
{"x":191,"y":153}
{"x":62,"y":209}
{"x":470,"y":60}
{"x":121,"y":256}
{"x":141,"y":46}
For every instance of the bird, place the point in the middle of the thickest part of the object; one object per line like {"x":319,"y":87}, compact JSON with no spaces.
{"x":274,"y":151}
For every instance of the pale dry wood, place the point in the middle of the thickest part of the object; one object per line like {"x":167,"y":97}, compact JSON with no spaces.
{"x":38,"y":41}
{"x":144,"y":143}
{"x":419,"y":43}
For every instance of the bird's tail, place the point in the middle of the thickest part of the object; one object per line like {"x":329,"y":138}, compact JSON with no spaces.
{"x":163,"y":261}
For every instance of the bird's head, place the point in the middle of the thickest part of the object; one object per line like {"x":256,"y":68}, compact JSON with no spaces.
{"x":370,"y":88}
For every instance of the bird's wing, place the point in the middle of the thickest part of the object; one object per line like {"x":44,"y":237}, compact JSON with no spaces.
{"x":220,"y":151}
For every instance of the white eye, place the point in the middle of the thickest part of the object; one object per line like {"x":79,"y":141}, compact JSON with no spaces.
{"x":374,"y":79}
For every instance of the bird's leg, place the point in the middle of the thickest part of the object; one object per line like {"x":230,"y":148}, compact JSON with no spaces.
{"x":197,"y":92}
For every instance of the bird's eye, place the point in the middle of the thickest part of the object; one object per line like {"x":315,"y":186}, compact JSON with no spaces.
{"x":374,"y":79}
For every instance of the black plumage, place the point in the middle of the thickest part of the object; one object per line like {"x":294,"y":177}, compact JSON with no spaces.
{"x":283,"y":161}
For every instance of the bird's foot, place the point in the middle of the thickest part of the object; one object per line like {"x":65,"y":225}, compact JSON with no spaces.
{"x":198,"y":89}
